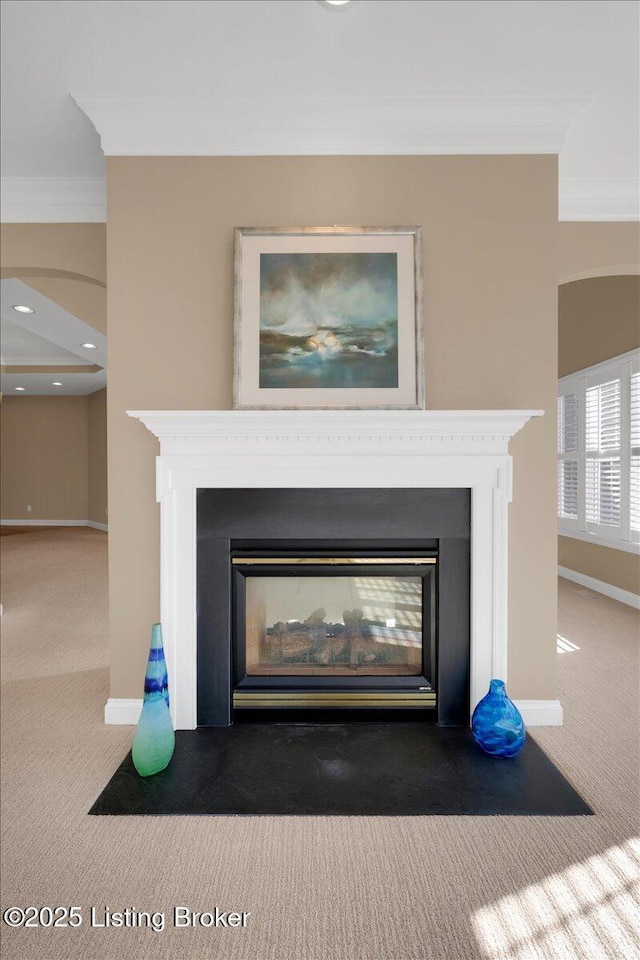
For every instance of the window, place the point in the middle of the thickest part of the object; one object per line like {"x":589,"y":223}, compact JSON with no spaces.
{"x":599,"y":453}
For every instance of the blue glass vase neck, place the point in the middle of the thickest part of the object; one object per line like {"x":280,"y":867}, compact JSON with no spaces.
{"x":497,"y":686}
{"x":156,"y":680}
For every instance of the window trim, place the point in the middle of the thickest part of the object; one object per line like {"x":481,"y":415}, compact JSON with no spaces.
{"x":623,"y":367}
{"x":628,"y":546}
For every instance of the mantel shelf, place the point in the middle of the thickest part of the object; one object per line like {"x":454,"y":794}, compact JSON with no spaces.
{"x":479,"y":431}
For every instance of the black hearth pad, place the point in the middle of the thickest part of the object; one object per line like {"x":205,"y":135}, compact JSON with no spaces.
{"x":350,"y":769}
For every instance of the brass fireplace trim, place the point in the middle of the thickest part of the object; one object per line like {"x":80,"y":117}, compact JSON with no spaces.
{"x":294,"y":698}
{"x":313,"y":561}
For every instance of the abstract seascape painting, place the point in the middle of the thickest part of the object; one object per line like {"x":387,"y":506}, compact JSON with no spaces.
{"x":328,"y":318}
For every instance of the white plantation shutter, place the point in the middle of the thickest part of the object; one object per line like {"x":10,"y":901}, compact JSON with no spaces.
{"x":568,"y":423}
{"x":568,"y":456}
{"x":603,"y":427}
{"x":599,"y":453}
{"x":634,"y":430}
{"x":568,"y":489}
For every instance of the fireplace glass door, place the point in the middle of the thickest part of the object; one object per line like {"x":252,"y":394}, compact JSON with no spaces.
{"x":334,"y":626}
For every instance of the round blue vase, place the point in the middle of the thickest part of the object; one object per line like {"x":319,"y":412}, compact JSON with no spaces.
{"x":497,"y":724}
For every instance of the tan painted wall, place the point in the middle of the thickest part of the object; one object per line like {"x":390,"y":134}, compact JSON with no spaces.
{"x":490,"y":231}
{"x":613,"y":566}
{"x":597,"y":319}
{"x":97,"y":456}
{"x":597,"y":249}
{"x":65,"y":247}
{"x":63,"y":261}
{"x":44,"y":458}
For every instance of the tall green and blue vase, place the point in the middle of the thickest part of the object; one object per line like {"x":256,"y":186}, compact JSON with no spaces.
{"x":497,"y":724}
{"x":155,"y":740}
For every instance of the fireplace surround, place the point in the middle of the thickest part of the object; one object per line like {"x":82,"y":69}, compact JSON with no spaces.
{"x":325,"y":450}
{"x":333,"y":604}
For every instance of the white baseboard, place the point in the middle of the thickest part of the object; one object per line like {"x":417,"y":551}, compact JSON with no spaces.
{"x":55,"y":523}
{"x":122,"y":711}
{"x":535,"y":713}
{"x":540,"y":713}
{"x":43,"y":523}
{"x":608,"y":589}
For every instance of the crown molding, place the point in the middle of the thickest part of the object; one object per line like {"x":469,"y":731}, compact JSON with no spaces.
{"x":289,"y":126}
{"x":53,"y":200}
{"x":591,"y":198}
{"x":337,"y":126}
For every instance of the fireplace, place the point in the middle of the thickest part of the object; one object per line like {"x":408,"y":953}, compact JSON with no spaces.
{"x":206,"y":452}
{"x":328,"y":604}
{"x":330,"y":631}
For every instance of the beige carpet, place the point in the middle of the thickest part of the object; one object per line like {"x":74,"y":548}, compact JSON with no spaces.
{"x":317,"y":888}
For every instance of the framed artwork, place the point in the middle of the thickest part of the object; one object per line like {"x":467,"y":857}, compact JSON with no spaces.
{"x":328,"y":318}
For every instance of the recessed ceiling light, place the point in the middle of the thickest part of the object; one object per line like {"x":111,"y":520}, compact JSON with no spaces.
{"x":337,"y":4}
{"x":89,"y":346}
{"x":21,"y":308}
{"x":56,"y":383}
{"x":18,"y":388}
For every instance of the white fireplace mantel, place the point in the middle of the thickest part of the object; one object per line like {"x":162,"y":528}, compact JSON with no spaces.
{"x":321,"y":448}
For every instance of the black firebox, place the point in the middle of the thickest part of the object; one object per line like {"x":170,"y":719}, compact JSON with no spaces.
{"x":328,"y":605}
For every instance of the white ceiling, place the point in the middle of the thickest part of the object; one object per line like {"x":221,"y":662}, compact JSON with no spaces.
{"x":273,"y":49}
{"x":23,"y":348}
{"x":42,"y":341}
